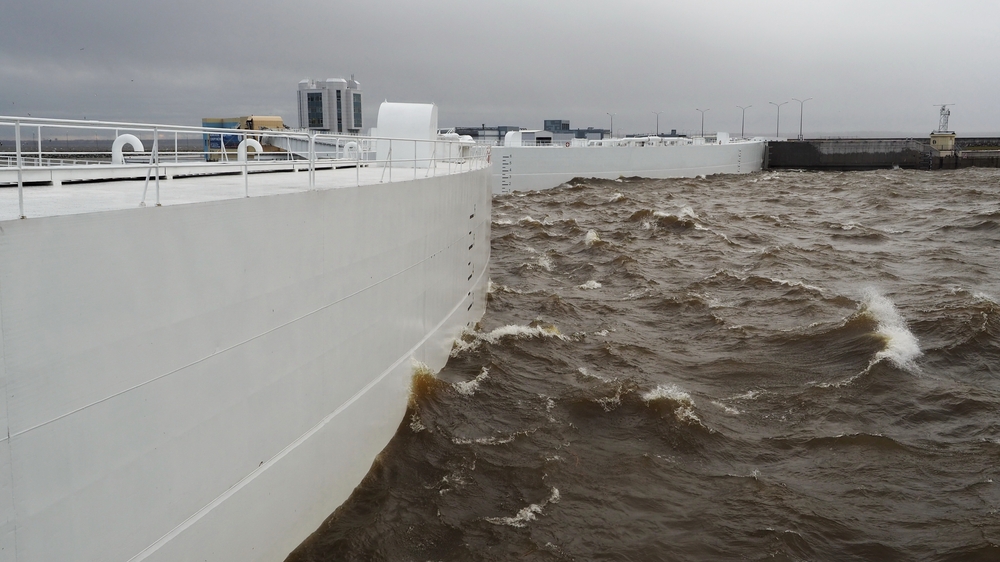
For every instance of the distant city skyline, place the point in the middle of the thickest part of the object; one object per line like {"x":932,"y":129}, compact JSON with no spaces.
{"x":870,"y":68}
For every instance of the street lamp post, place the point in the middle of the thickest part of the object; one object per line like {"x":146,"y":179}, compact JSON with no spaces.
{"x":743,"y":120}
{"x":612,"y":124}
{"x":777,"y":120}
{"x":657,"y":113}
{"x":702,"y":120}
{"x":801,"y":103}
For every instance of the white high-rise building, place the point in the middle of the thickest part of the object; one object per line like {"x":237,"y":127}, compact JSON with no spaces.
{"x":331,"y":106}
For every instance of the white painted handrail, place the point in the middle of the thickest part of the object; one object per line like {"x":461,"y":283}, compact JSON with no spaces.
{"x":66,"y":150}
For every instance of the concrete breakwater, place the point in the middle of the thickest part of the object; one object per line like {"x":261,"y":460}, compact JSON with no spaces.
{"x":869,"y":154}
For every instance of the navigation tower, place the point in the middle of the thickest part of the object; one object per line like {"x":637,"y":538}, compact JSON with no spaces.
{"x":942,"y":139}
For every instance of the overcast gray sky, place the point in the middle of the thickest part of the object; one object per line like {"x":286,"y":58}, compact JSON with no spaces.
{"x":870,"y":66}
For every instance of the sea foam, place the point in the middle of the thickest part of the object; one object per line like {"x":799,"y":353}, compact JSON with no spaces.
{"x":901,"y":346}
{"x":527,"y":514}
{"x":468,"y":388}
{"x":684,"y":409}
{"x":514,"y":331}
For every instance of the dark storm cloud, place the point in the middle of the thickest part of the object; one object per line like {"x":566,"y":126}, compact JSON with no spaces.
{"x":869,"y":68}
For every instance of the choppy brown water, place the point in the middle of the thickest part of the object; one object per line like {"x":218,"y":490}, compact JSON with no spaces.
{"x":791,"y":366}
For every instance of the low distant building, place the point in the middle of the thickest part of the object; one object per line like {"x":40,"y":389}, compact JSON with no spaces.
{"x":562,"y":132}
{"x":555,"y":130}
{"x":944,"y":142}
{"x":330,"y":106}
{"x":672,"y":134}
{"x":556,"y":125}
{"x":244,"y":123}
{"x":487,"y":135}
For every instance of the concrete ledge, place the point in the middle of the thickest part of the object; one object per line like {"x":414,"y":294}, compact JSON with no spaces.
{"x":873,"y":154}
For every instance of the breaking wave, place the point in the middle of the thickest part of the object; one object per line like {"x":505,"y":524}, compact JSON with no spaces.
{"x":901,"y":347}
{"x":678,"y":399}
{"x":472,"y":340}
{"x":468,"y":388}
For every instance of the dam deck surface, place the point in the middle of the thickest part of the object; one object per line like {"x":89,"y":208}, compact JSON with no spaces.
{"x":107,"y":195}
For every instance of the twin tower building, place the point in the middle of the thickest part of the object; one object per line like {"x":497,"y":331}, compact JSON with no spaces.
{"x":330,"y":106}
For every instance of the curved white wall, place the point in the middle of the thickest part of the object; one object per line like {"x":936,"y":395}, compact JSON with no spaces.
{"x":209,"y":381}
{"x":416,"y":121}
{"x":518,"y":168}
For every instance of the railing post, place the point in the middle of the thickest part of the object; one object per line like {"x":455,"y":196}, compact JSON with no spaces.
{"x":39,"y":145}
{"x":20,"y":165}
{"x":175,"y":147}
{"x":156,"y":161}
{"x":312,"y":159}
{"x":246,"y":182}
{"x":390,"y":160}
{"x":414,"y":159}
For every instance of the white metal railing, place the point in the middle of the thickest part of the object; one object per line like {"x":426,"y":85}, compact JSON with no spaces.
{"x":94,"y":150}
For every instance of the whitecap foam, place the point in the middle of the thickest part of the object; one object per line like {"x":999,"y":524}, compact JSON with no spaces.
{"x":983,"y":297}
{"x":616,"y":198}
{"x":715,"y":232}
{"x":468,"y":388}
{"x":728,"y":409}
{"x":549,"y":402}
{"x":527,"y":514}
{"x":687,"y":212}
{"x":609,"y":403}
{"x":484,"y":440}
{"x":901,"y":346}
{"x":491,"y":440}
{"x":800,"y":284}
{"x":845,"y":382}
{"x":586,"y":372}
{"x":591,"y":238}
{"x":420,"y":368}
{"x":637,"y":294}
{"x":673,"y":393}
{"x":528,"y":220}
{"x":416,"y":426}
{"x":509,"y":331}
{"x":710,"y":301}
{"x":590,"y":285}
{"x":748,"y":395}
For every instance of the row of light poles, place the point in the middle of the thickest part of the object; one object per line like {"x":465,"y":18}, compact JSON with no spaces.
{"x":743,"y":118}
{"x":777,"y":118}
